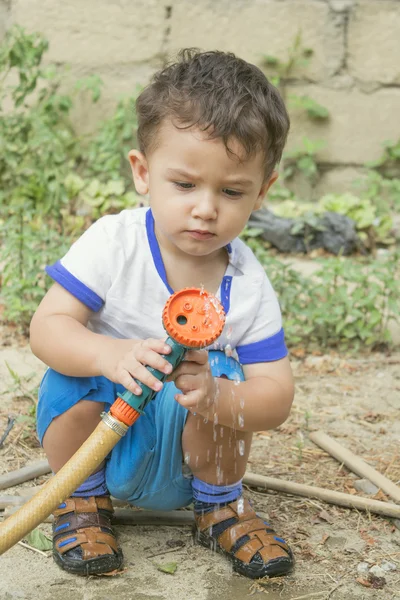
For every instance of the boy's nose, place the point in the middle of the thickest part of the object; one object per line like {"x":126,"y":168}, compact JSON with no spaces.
{"x":205,"y":208}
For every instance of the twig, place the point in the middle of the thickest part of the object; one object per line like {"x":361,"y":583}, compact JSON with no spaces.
{"x":166,"y":552}
{"x":33,"y":549}
{"x":355,"y":463}
{"x":40,"y":467}
{"x":333,"y":590}
{"x":9,"y":426}
{"x":339,"y":498}
{"x":313,"y":595}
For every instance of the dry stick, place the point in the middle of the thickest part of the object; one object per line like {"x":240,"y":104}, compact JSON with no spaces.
{"x":6,"y":501}
{"x":131,"y":517}
{"x":298,"y":489}
{"x":355,"y":464}
{"x":127,"y":516}
{"x":40,"y":467}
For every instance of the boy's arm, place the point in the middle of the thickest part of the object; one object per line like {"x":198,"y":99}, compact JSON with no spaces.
{"x":261,"y":402}
{"x":60,"y":338}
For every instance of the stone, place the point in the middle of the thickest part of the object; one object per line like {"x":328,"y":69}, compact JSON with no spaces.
{"x":363,"y":568}
{"x":341,"y":5}
{"x":388,"y":566}
{"x":349,"y":137}
{"x":338,"y":235}
{"x":255,"y":28}
{"x":95,"y":33}
{"x":377,"y":571}
{"x":373,"y":25}
{"x":366,"y":486}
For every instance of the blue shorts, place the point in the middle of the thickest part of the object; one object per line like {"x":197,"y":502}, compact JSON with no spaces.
{"x":146,"y":467}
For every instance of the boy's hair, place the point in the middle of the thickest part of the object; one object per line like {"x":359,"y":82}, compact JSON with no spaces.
{"x":221,"y":94}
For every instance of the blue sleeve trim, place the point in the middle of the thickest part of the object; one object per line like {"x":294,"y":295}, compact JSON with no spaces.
{"x":74,"y":286}
{"x":268,"y":350}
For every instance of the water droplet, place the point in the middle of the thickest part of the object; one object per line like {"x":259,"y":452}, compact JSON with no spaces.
{"x":215,"y":419}
{"x":241,"y":447}
{"x":208,"y":455}
{"x":241,"y":420}
{"x":241,"y":402}
{"x":240,"y":506}
{"x":187,"y":457}
{"x":197,"y":460}
{"x":214,"y":435}
{"x":221,"y":432}
{"x":228,"y":350}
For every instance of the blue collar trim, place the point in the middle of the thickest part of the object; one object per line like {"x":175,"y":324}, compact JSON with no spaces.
{"x":155,"y":250}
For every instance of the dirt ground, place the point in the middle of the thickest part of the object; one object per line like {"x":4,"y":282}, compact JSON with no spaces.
{"x":355,"y":400}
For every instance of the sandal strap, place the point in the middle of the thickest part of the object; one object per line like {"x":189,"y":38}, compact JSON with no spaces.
{"x":84,"y":505}
{"x":74,"y":521}
{"x":92,"y":541}
{"x":261,"y":538}
{"x":229,"y":536}
{"x":232,"y":510}
{"x":265,"y":544}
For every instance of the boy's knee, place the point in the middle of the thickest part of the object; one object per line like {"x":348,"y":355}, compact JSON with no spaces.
{"x":86,"y":409}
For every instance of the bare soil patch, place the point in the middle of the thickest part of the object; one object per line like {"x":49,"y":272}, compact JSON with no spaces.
{"x":355,"y":400}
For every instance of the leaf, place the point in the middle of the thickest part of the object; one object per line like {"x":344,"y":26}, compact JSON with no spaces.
{"x":169,"y":568}
{"x":37,"y":539}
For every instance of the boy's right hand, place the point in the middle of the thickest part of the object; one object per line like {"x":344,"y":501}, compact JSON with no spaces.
{"x":122,"y":361}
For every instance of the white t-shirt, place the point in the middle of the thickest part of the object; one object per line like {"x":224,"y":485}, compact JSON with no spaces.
{"x":115,"y":268}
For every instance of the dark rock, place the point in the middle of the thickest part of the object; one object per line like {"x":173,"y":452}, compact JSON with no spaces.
{"x":277,"y":231}
{"x":334,"y":233}
{"x":339,"y":235}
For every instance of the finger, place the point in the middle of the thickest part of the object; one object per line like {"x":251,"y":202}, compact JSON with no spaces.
{"x":149,"y":357}
{"x":187,"y":369}
{"x":198,"y":356}
{"x":157,"y":345}
{"x":187,"y":383}
{"x":125,"y":379}
{"x":143,"y":375}
{"x":189,"y":401}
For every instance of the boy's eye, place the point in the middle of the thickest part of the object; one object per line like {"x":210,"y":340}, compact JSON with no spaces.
{"x":234,"y":193}
{"x":183,"y":185}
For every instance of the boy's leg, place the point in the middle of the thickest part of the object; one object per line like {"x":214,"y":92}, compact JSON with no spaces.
{"x":83,"y":539}
{"x":67,"y":432}
{"x":217,"y":457}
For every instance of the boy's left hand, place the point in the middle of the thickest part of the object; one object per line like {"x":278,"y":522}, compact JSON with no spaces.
{"x":193,"y":377}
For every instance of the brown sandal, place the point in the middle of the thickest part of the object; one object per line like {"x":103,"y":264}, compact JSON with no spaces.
{"x":251,"y":544}
{"x":83,"y":539}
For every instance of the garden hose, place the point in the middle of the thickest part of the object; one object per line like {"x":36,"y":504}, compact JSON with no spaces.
{"x":192,"y":319}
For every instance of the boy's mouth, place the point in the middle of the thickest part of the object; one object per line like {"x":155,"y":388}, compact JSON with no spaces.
{"x":199,"y":234}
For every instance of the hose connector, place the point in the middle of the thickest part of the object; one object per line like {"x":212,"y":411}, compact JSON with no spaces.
{"x":118,"y":426}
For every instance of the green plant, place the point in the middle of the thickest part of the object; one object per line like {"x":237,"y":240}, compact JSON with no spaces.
{"x":53,"y":182}
{"x":389,"y":163}
{"x":22,"y":389}
{"x":303,"y":160}
{"x":346,"y":304}
{"x":373,"y":226}
{"x":282,"y":71}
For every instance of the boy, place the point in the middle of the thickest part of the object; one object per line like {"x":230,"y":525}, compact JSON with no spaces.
{"x":211,"y":131}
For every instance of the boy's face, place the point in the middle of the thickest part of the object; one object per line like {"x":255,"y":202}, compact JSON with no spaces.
{"x":201,"y":195}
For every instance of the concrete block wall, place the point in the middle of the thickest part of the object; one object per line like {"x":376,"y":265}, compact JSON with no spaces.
{"x":354,"y":70}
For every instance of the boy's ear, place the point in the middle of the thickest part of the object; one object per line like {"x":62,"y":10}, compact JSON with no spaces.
{"x":264,"y":189}
{"x":140,"y":171}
